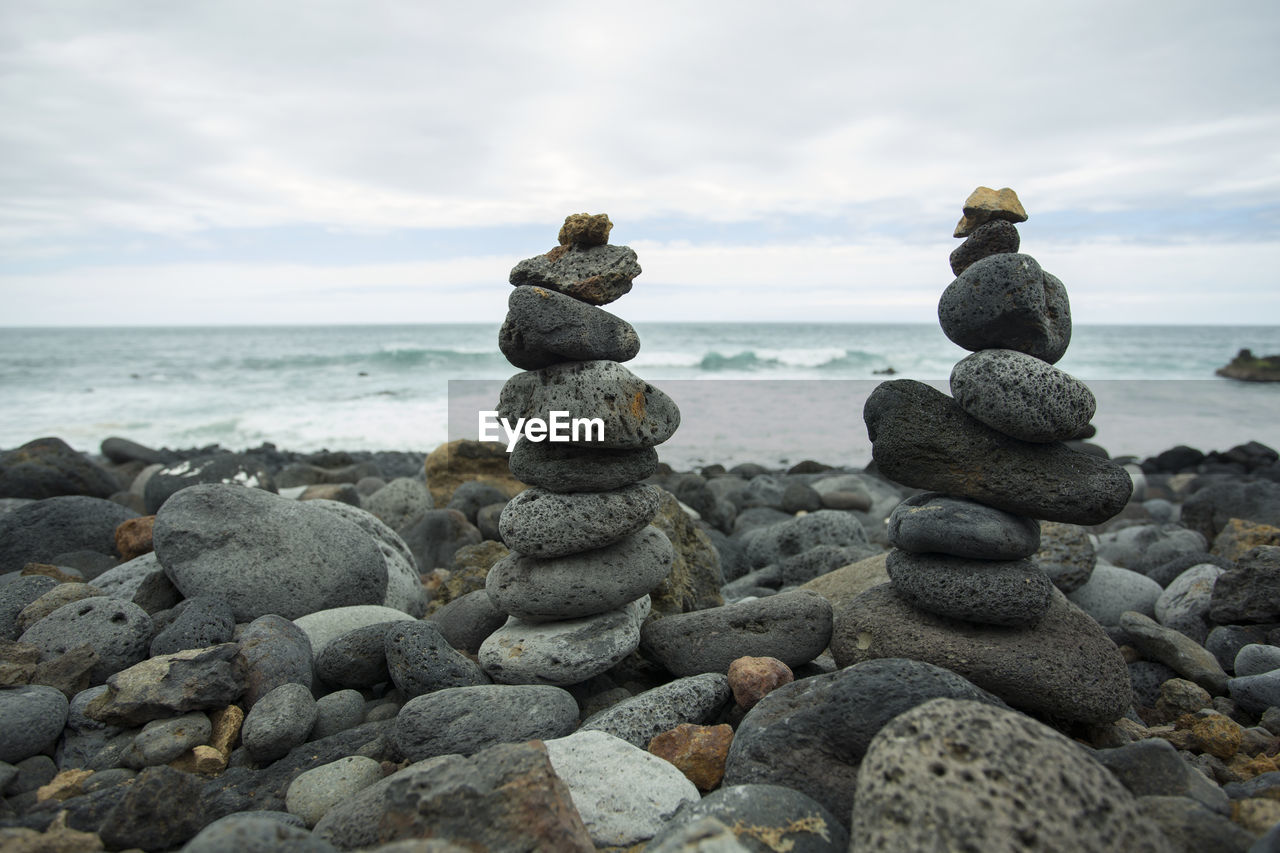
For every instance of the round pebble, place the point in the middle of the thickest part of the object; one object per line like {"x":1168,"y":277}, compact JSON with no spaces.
{"x":315,"y":791}
{"x":31,"y":718}
{"x":1022,"y":396}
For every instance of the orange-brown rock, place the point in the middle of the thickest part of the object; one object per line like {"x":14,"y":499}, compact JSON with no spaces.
{"x":18,"y":662}
{"x":133,"y":537}
{"x":985,"y":204}
{"x":64,"y":786}
{"x":585,"y":229}
{"x":226,"y":723}
{"x":1239,"y":537}
{"x":699,"y":752}
{"x":50,"y":571}
{"x":1215,"y":734}
{"x":751,"y":679}
{"x":450,"y":465}
{"x":1256,"y":814}
{"x":203,"y":759}
{"x":1247,"y":768}
{"x":57,"y":838}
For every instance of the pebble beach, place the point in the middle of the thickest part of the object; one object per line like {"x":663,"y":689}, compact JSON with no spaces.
{"x":997,"y":635}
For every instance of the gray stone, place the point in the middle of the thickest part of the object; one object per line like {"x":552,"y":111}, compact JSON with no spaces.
{"x":544,"y":328}
{"x":224,"y":468}
{"x":1065,"y":666}
{"x":1145,"y":677}
{"x":1166,"y":572}
{"x":634,"y":413}
{"x":1193,"y":828}
{"x":190,"y":680}
{"x":122,"y":450}
{"x":356,"y":659}
{"x":16,"y":595}
{"x":596,"y":275}
{"x":811,"y":734}
{"x":1022,"y":396}
{"x":793,"y":627}
{"x":49,"y":467}
{"x":1251,"y":591}
{"x":1007,"y":301}
{"x":765,"y":818}
{"x":540,"y":523}
{"x":404,"y":583}
{"x":1066,"y":555}
{"x":997,"y":237}
{"x":278,"y":722}
{"x":1256,"y":693}
{"x":266,"y":554}
{"x":959,"y":775}
{"x":205,"y":621}
{"x":337,"y":712}
{"x":118,"y":631}
{"x":562,"y":653}
{"x":124,"y":580}
{"x":562,"y":468}
{"x":161,"y":741}
{"x":1175,"y":650}
{"x":990,"y":592}
{"x":940,"y":524}
{"x":160,"y":810}
{"x":1225,"y":642}
{"x":1184,"y":604}
{"x":325,"y":626}
{"x":1112,"y":591}
{"x":421,"y":661}
{"x":922,"y":438}
{"x":624,"y":794}
{"x":1257,"y":658}
{"x":472,"y":495}
{"x":314,"y":792}
{"x":581,"y":584}
{"x":41,"y":530}
{"x":435,"y":536}
{"x":1152,"y":767}
{"x":400,"y":501}
{"x":1209,"y":509}
{"x":464,"y":720}
{"x":1144,"y":546}
{"x":777,"y":542}
{"x":255,"y":832}
{"x":697,"y":699}
{"x":801,"y":497}
{"x":819,"y":560}
{"x":468,"y":621}
{"x":31,"y":718}
{"x":274,"y":651}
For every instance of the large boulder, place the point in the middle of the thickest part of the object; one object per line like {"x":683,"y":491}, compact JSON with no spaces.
{"x":49,"y":467}
{"x":41,"y":530}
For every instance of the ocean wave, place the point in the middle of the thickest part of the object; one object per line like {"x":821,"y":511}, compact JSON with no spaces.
{"x":396,"y":357}
{"x":746,"y":360}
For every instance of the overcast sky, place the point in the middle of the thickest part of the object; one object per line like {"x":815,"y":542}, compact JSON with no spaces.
{"x":333,"y":162}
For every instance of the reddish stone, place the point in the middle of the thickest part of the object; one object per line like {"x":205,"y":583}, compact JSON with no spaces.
{"x":133,"y":537}
{"x":699,"y":752}
{"x":751,"y":679}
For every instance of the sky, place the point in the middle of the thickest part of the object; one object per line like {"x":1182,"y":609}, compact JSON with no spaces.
{"x":317,"y":162}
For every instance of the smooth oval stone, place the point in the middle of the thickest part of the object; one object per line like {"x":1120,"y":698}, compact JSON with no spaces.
{"x":119,"y":632}
{"x":540,"y":523}
{"x":1256,"y":659}
{"x":793,"y":627}
{"x":278,"y":722}
{"x":315,"y":791}
{"x":465,"y":720}
{"x":1064,"y":666}
{"x":1112,"y":591}
{"x":404,"y":581}
{"x":994,"y":238}
{"x":1022,"y":396}
{"x":811,"y":734}
{"x":596,"y":275}
{"x":357,"y":659}
{"x":635,"y":414}
{"x":161,"y":741}
{"x":544,"y":328}
{"x":420,"y":661}
{"x":1007,"y":301}
{"x":31,"y":718}
{"x":941,"y":524}
{"x":573,"y":468}
{"x":580,"y":584}
{"x":989,"y":592}
{"x":465,"y":622}
{"x":922,"y":438}
{"x":561,"y":653}
{"x":275,"y":651}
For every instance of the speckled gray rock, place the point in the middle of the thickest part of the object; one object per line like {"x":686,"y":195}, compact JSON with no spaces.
{"x":990,"y":592}
{"x":959,"y":775}
{"x":266,"y":554}
{"x":31,"y":718}
{"x":48,"y":467}
{"x":540,"y":523}
{"x":275,"y":651}
{"x":1007,"y":301}
{"x":400,"y":501}
{"x":765,"y":818}
{"x":1144,"y":546}
{"x":793,"y":627}
{"x":278,"y":722}
{"x":124,"y":581}
{"x":161,"y":741}
{"x":467,"y":621}
{"x":337,"y":712}
{"x":1066,"y":554}
{"x":162,"y":686}
{"x":697,"y":699}
{"x":940,"y":524}
{"x":560,"y":467}
{"x":562,"y":653}
{"x":922,"y":438}
{"x":1065,"y":665}
{"x":811,"y":734}
{"x":1146,"y":676}
{"x":581,"y":584}
{"x":635,"y":414}
{"x":1251,"y":591}
{"x":421,"y":661}
{"x":255,"y":832}
{"x":544,"y":328}
{"x":777,"y":542}
{"x":1257,"y":658}
{"x":404,"y":583}
{"x":1256,"y":693}
{"x":596,"y":275}
{"x":464,"y":720}
{"x":1022,"y":396}
{"x":41,"y":530}
{"x":204,"y":621}
{"x":315,"y":791}
{"x":17,"y":594}
{"x":1175,"y":650}
{"x":1152,"y":767}
{"x":356,"y":659}
{"x":119,"y":632}
{"x":1112,"y":591}
{"x":997,"y":237}
{"x":1184,"y":604}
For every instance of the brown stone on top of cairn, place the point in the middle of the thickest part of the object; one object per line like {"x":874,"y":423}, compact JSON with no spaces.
{"x":985,"y":204}
{"x":585,"y":230}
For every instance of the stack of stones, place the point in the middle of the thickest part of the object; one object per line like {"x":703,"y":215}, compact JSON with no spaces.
{"x":993,"y":456}
{"x":584,"y":555}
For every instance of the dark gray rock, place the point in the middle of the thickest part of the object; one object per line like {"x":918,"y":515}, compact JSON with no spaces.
{"x":1007,"y":301}
{"x":596,"y":275}
{"x":400,"y":501}
{"x":571,"y":468}
{"x":1256,"y":693}
{"x":1225,"y":641}
{"x":1194,"y":828}
{"x":227,"y":468}
{"x":256,"y":832}
{"x":204,"y":621}
{"x":421,"y":661}
{"x":469,"y":497}
{"x":1250,"y":592}
{"x":801,"y":497}
{"x":41,"y":530}
{"x":464,"y":720}
{"x":17,"y":594}
{"x":190,"y":680}
{"x":777,"y":542}
{"x":356,"y":659}
{"x":635,"y":414}
{"x":990,"y":592}
{"x":541,"y":523}
{"x":997,"y":237}
{"x":122,"y":450}
{"x":581,"y":584}
{"x":119,"y":632}
{"x":337,"y":712}
{"x":921,"y":438}
{"x":765,"y":818}
{"x":1146,"y":676}
{"x":47,"y":468}
{"x":697,"y":699}
{"x":160,"y":810}
{"x":544,"y":328}
{"x":793,"y":627}
{"x":819,"y":560}
{"x":274,"y":651}
{"x":436,"y":535}
{"x":265,"y":554}
{"x":278,"y":722}
{"x":1152,"y":767}
{"x":1022,"y":396}
{"x":941,"y":524}
{"x":1209,"y":509}
{"x":466,"y":622}
{"x":31,"y":718}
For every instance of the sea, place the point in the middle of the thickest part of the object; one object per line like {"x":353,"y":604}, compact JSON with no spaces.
{"x":771,"y":393}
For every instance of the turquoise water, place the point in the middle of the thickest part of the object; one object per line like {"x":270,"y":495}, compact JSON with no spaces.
{"x":386,"y":387}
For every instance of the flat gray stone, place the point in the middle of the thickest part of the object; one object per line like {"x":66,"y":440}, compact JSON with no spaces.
{"x":1153,"y":767}
{"x":697,"y":699}
{"x":777,"y":542}
{"x":989,"y":592}
{"x":596,"y":275}
{"x":574,"y":468}
{"x":932,"y":523}
{"x":325,"y":626}
{"x":562,"y":653}
{"x":1006,"y":301}
{"x":544,"y":327}
{"x":337,"y":712}
{"x":1022,"y":396}
{"x":541,"y":523}
{"x":1184,"y":604}
{"x":465,"y":720}
{"x":161,"y":741}
{"x":1256,"y":693}
{"x":1175,"y":650}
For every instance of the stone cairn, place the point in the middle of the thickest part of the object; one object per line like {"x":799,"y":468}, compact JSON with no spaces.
{"x":993,"y":459}
{"x":584,"y":555}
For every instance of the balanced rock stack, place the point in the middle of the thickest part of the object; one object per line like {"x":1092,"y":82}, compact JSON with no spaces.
{"x":583,"y":555}
{"x":964,"y":591}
